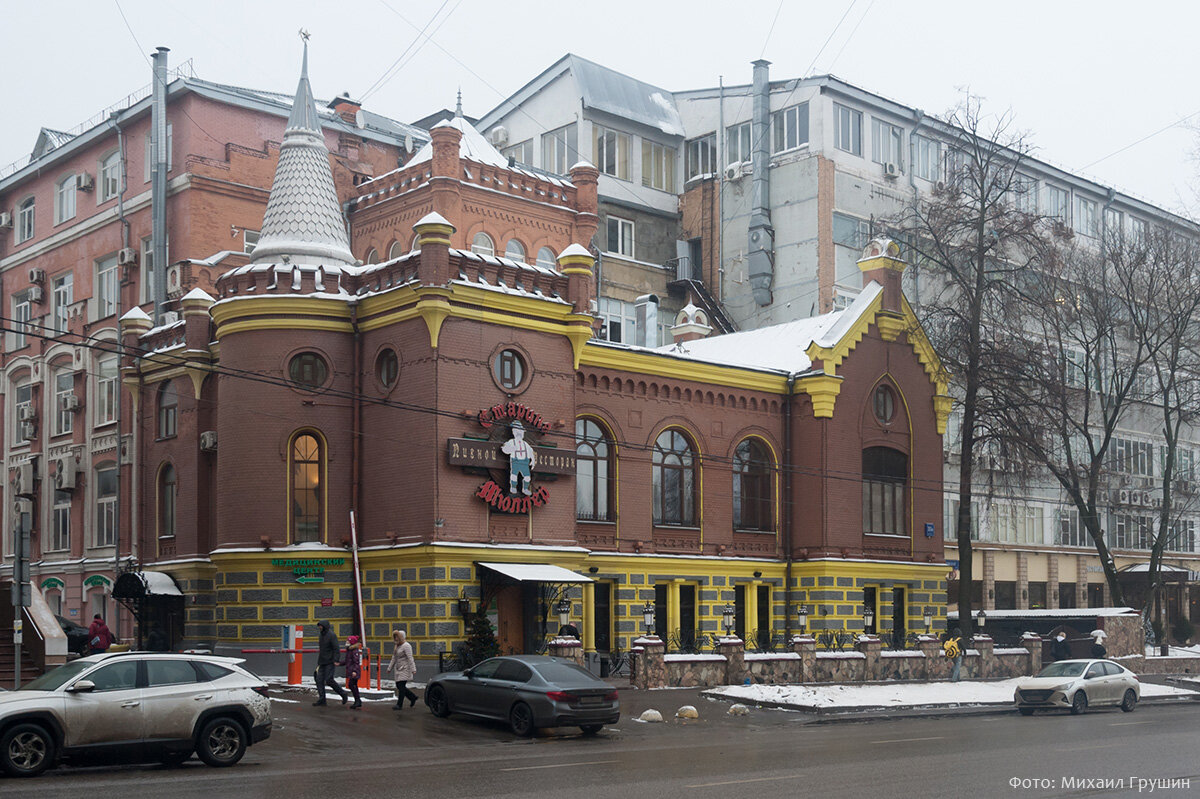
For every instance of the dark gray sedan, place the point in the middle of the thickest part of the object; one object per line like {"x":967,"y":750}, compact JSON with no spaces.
{"x":527,"y":691}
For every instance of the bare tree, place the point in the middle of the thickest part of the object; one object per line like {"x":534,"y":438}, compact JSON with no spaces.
{"x":973,"y":242}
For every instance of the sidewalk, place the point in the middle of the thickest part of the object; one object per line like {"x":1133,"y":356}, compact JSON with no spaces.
{"x":907,"y":698}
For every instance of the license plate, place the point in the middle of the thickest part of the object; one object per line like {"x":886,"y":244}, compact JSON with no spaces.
{"x":590,"y":700}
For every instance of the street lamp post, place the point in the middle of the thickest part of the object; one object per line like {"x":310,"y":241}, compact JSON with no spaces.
{"x":802,"y":619}
{"x":727,"y":618}
{"x":928,"y":621}
{"x":648,"y":617}
{"x":981,"y":617}
{"x":564,"y":612}
{"x":868,"y":618}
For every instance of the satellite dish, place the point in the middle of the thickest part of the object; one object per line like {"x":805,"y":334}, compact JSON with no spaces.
{"x":359,"y":121}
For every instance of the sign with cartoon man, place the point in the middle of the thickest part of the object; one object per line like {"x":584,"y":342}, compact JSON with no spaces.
{"x":521,"y":459}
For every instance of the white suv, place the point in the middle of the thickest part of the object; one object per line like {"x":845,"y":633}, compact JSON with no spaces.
{"x":134,"y":706}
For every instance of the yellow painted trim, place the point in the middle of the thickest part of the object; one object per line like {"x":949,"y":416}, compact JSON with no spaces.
{"x":576,"y":262}
{"x":289,"y":323}
{"x":657,"y":365}
{"x":926,"y":354}
{"x":890,"y":325}
{"x":824,"y":391}
{"x":433,"y":307}
{"x":589,"y":617}
{"x":942,"y":406}
{"x":278,"y":304}
{"x":881,"y":262}
{"x":197,"y":373}
{"x":577,"y":270}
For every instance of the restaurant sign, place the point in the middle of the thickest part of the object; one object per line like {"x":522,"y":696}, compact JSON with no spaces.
{"x":308,"y":570}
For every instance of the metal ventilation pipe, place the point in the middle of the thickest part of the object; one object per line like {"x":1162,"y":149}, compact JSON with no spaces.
{"x":761,"y":235}
{"x":158,"y":180}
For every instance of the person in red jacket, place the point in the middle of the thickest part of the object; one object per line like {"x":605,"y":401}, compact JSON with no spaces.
{"x":100,"y":638}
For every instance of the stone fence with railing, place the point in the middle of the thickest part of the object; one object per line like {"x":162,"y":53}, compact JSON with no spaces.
{"x":730,"y":664}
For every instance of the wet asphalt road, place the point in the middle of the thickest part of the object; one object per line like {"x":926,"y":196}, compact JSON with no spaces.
{"x":337,"y":752}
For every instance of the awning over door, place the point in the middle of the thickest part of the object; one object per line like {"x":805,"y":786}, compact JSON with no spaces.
{"x":535,"y":572}
{"x":139,"y":585}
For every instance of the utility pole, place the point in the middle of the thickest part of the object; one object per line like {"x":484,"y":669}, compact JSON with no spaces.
{"x":20,"y":590}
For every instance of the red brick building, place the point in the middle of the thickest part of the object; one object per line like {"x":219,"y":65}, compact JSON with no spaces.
{"x":794,"y":466}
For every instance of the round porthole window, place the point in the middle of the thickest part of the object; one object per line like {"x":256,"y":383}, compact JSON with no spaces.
{"x":308,"y":370}
{"x":509,"y":369}
{"x":387,"y":368}
{"x":885,"y":405}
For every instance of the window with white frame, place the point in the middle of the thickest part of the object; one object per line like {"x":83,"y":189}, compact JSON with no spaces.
{"x":887,"y":143}
{"x":22,"y":312}
{"x":150,"y":152}
{"x":1114,"y":225}
{"x":560,"y":149}
{"x":1024,"y":194}
{"x":851,"y":232}
{"x":106,"y":287}
{"x":482,"y":244}
{"x":1087,"y":217}
{"x":738,"y":145}
{"x":107,"y":390}
{"x":63,"y":288}
{"x":64,"y":397}
{"x":106,"y":506}
{"x":25,"y":213}
{"x":658,"y":166}
{"x":700,"y":156}
{"x":1181,"y":536}
{"x":1070,"y":530}
{"x":620,"y":236}
{"x":1017,"y":524}
{"x":610,"y":148}
{"x":110,"y":176}
{"x":789,"y":128}
{"x":1130,"y":531}
{"x":617,"y":320}
{"x":1056,"y":203}
{"x":847,"y":129}
{"x":147,"y":266}
{"x":60,"y":529}
{"x":64,"y":199}
{"x":1132,"y":457}
{"x":950,"y":519}
{"x":22,"y":403}
{"x":249,"y":240}
{"x":545,"y":258}
{"x":927,"y":158}
{"x":1138,"y":230}
{"x":522,"y":152}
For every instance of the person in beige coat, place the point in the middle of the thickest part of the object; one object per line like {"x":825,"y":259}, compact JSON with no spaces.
{"x":403,"y":668}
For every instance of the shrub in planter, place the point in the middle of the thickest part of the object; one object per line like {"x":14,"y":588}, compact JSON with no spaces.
{"x":1183,"y":630}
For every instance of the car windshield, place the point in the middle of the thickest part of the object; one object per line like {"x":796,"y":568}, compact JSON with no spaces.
{"x":57,"y":678}
{"x":1063,"y":669}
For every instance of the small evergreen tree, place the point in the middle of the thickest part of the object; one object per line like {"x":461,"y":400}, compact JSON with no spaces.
{"x":481,"y":641}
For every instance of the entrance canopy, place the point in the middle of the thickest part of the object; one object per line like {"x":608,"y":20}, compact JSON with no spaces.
{"x":140,"y":585}
{"x":1167,"y":573}
{"x":535,"y":572}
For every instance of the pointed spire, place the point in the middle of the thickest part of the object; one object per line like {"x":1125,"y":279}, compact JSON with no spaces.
{"x":303,"y":222}
{"x":458,"y":107}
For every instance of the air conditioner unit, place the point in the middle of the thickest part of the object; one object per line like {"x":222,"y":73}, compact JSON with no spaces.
{"x":734,"y":171}
{"x":208,"y":441}
{"x":28,"y":413}
{"x":126,"y":256}
{"x":22,"y":481}
{"x":169,"y":317}
{"x":37,"y":275}
{"x":1126,"y":479}
{"x":1146,"y":500}
{"x":64,"y":473}
{"x":28,"y":431}
{"x":498,"y":136}
{"x":1135,"y":497}
{"x":174,"y":279}
{"x":890,"y":170}
{"x":36,"y":294}
{"x":1123,"y":497}
{"x":5,"y":219}
{"x":70,"y":402}
{"x":939,"y":185}
{"x":85,"y":182}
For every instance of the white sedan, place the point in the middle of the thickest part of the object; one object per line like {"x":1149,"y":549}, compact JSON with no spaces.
{"x":1076,"y":684}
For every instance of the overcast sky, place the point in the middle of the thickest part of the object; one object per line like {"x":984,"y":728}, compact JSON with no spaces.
{"x":1095,"y":83}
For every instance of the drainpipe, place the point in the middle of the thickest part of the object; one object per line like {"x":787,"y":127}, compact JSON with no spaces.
{"x":116,"y":123}
{"x":787,"y":507}
{"x":356,"y":417}
{"x":761,"y":234}
{"x":918,"y":118}
{"x":719,"y":245}
{"x":158,"y":181}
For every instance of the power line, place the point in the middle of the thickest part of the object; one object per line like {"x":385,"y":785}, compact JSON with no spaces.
{"x":385,"y":77}
{"x":1147,"y":137}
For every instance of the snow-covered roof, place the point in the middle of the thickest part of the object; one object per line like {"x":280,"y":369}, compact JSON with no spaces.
{"x":615,"y":93}
{"x":536,"y":572}
{"x":1052,"y":613}
{"x":474,"y":147}
{"x":782,"y":347}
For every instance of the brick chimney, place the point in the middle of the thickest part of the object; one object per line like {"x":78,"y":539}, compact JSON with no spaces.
{"x":445,"y":169}
{"x":433,"y":239}
{"x":587,"y":201}
{"x":346,"y":108}
{"x":691,"y":323}
{"x":576,"y":263}
{"x":882,"y":264}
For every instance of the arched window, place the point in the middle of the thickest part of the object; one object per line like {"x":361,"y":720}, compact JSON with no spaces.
{"x":674,"y":479}
{"x":546,"y":258}
{"x":168,"y":410}
{"x":593,"y":472}
{"x":885,"y":475}
{"x":372,"y":256}
{"x":752,"y":487}
{"x":515,"y":250}
{"x":395,"y":251}
{"x":416,"y":243}
{"x":482,"y":245}
{"x":307,"y":461}
{"x":166,"y":501}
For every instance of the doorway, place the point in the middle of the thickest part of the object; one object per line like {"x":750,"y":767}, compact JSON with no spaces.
{"x":899,"y":617}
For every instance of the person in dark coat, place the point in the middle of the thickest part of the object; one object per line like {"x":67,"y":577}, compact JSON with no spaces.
{"x":1060,"y":649}
{"x":327,"y":660}
{"x":100,"y":638}
{"x":354,"y":668}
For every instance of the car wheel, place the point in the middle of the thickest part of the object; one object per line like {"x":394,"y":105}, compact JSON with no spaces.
{"x":1026,"y":711}
{"x":173,"y":759}
{"x":1079,"y":703}
{"x":591,"y":729}
{"x":1130,"y":701}
{"x":26,"y":750}
{"x":520,"y":718}
{"x":439,"y":706}
{"x":222,"y":742}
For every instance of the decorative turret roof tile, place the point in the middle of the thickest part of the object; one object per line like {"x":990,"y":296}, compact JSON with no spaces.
{"x":303,"y":223}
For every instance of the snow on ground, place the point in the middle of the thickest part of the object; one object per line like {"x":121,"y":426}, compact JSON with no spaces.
{"x":1176,"y":651}
{"x":896,"y":694}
